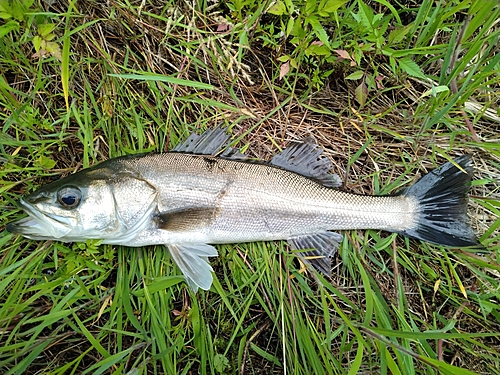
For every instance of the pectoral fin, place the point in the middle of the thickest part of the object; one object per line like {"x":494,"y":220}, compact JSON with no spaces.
{"x":320,"y":248}
{"x":192,"y":260}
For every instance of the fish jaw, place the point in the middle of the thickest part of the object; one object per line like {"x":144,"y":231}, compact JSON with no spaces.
{"x":39,"y":225}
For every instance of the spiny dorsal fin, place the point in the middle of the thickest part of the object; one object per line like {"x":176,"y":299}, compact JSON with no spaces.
{"x":210,"y":142}
{"x":305,"y":159}
{"x":321,"y":247}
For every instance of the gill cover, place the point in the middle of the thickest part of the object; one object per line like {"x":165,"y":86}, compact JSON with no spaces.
{"x":134,"y":201}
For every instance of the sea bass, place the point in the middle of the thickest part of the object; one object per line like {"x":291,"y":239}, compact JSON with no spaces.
{"x":203,"y":193}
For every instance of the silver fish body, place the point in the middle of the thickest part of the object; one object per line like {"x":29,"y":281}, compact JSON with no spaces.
{"x":210,"y":200}
{"x":187,"y":200}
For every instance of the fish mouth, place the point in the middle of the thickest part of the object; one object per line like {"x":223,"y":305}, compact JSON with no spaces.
{"x":40,"y":225}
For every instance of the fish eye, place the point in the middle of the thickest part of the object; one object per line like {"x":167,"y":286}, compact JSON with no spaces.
{"x":69,"y":197}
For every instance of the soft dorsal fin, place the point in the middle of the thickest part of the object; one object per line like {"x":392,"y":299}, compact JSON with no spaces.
{"x":210,"y":142}
{"x":305,"y":159}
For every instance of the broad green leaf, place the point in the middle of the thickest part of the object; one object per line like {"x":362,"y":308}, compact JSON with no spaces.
{"x":358,"y":74}
{"x":37,"y":42}
{"x":278,"y":8}
{"x":397,"y":35}
{"x":332,"y":5}
{"x":28,"y":3}
{"x":316,"y":49}
{"x":411,"y":68}
{"x":365,"y":15}
{"x":46,"y":162}
{"x":221,"y":363}
{"x":318,"y":30}
{"x":5,"y":12}
{"x":46,"y":29}
{"x":311,"y":6}
{"x":49,"y":37}
{"x":8,"y":27}
{"x":289,"y":26}
{"x":361,"y":93}
{"x":54,"y":49}
{"x":17,"y":10}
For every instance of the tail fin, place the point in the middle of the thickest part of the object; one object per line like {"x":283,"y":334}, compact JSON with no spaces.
{"x":442,"y":196}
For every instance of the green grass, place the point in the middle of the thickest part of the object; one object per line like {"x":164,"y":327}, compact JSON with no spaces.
{"x":387,"y":91}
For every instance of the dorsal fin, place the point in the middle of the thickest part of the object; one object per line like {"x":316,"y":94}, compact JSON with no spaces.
{"x":305,"y":159}
{"x":210,"y":142}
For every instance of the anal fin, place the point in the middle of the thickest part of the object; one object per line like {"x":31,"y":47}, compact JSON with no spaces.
{"x":319,"y":249}
{"x":192,"y":260}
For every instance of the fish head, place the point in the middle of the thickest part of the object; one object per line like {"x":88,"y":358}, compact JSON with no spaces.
{"x":96,"y":203}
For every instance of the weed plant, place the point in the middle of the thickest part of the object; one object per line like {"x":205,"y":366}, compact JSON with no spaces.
{"x":389,"y":89}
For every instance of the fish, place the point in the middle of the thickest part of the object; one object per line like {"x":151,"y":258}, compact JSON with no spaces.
{"x":203,"y":193}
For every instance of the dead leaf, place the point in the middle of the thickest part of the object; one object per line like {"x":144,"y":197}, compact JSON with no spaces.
{"x":284,"y":69}
{"x":40,"y":54}
{"x":378,"y":81}
{"x":343,"y":53}
{"x":222,"y":27}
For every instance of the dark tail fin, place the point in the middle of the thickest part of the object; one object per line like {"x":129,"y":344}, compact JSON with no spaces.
{"x":442,"y":195}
